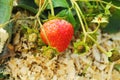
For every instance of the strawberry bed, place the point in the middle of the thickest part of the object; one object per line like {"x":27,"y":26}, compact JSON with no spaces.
{"x":59,"y":40}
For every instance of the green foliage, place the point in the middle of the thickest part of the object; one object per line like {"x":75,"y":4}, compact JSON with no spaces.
{"x":5,"y":10}
{"x":114,"y":23}
{"x":107,"y":9}
{"x":114,"y":19}
{"x":5,"y":14}
{"x":59,"y":3}
{"x":68,"y":15}
{"x":117,"y":67}
{"x":115,"y":2}
{"x":1,"y":76}
{"x":89,"y":8}
{"x":28,"y":5}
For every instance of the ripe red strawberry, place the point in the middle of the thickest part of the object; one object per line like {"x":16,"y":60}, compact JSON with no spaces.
{"x":58,"y":32}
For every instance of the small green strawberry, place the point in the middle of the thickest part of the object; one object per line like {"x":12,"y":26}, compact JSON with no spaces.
{"x":57,"y":33}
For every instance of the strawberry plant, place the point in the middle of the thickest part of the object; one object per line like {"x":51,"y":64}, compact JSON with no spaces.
{"x":60,"y":26}
{"x":79,"y":14}
{"x":74,"y":12}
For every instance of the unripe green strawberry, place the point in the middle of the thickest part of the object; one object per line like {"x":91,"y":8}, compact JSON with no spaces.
{"x":57,"y":33}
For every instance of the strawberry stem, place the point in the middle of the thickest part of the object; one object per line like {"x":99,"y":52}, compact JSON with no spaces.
{"x":41,"y":8}
{"x":82,"y":19}
{"x":100,"y":48}
{"x":95,"y":29}
{"x":42,"y":28}
{"x":51,"y":7}
{"x":4,"y":24}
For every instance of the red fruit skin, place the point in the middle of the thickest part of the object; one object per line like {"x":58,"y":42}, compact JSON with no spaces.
{"x":59,"y":33}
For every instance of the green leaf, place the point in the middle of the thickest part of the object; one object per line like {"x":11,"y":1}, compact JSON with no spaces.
{"x":68,"y":15}
{"x":9,"y":29}
{"x":27,"y":2}
{"x":117,"y":67}
{"x":1,"y":76}
{"x":5,"y":10}
{"x":107,"y":9}
{"x":60,"y":3}
{"x":28,"y":5}
{"x":114,"y":23}
{"x":5,"y":14}
{"x":115,"y":2}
